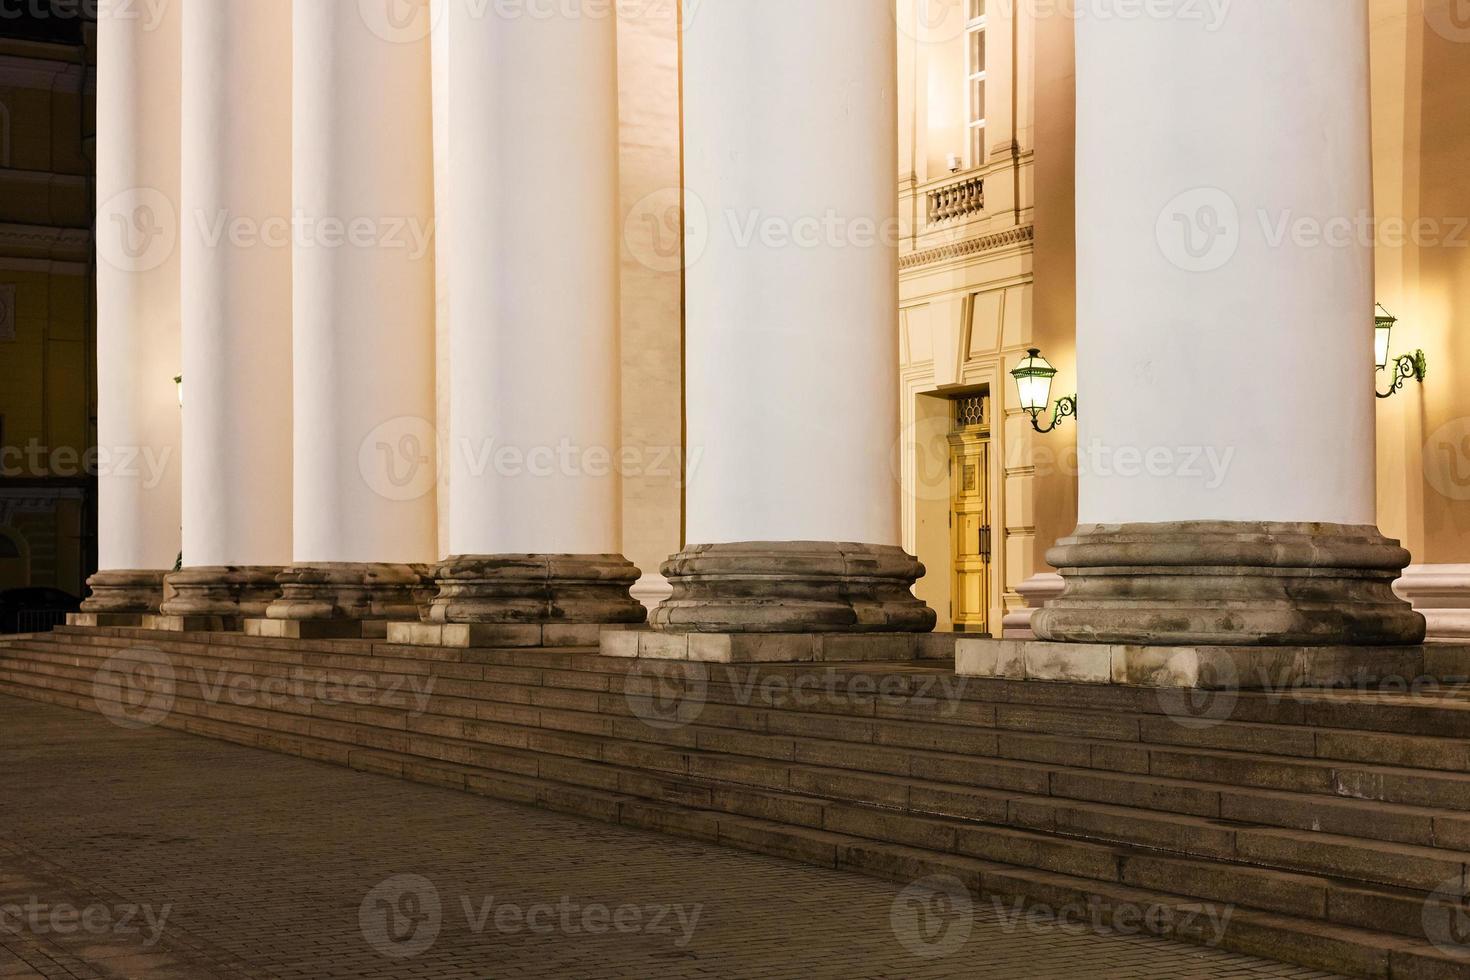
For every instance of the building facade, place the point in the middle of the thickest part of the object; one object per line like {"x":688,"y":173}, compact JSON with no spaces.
{"x":47,"y":394}
{"x":711,"y":379}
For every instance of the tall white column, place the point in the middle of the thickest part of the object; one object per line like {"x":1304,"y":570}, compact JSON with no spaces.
{"x":138,"y":92}
{"x":530,"y":105}
{"x":790,"y":122}
{"x":1225,"y":309}
{"x":363,"y":319}
{"x":235,"y":250}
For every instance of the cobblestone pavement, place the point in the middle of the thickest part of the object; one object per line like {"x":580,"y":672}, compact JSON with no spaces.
{"x":158,"y":854}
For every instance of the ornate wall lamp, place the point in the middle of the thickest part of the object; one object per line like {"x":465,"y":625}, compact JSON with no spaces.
{"x":1408,"y":366}
{"x":1033,"y":381}
{"x":179,"y":386}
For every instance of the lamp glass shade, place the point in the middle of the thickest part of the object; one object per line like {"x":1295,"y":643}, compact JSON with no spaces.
{"x":1382,"y":332}
{"x":1033,"y":381}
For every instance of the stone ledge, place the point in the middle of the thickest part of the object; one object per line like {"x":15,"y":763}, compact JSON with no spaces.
{"x":318,"y":629}
{"x":463,"y":636}
{"x":194,"y":624}
{"x":757,"y":648}
{"x":91,"y":620}
{"x":1207,"y":667}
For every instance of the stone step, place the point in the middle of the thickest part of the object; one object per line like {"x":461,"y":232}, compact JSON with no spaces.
{"x":513,"y":749}
{"x":1034,"y":782}
{"x":1277,"y":718}
{"x":1303,"y":939}
{"x":1099,"y":713}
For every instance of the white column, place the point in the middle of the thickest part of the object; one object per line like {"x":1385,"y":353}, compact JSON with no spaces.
{"x":1196,"y":326}
{"x":138,"y":306}
{"x":791,"y":144}
{"x":236,"y":289}
{"x":792,"y":388}
{"x":364,"y":288}
{"x":532,"y":258}
{"x":1224,"y":357}
{"x":529,"y":102}
{"x":363,"y":317}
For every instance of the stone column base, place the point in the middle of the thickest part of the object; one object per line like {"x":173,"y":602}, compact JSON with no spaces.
{"x":121,"y":598}
{"x":340,"y":600}
{"x":216,"y":597}
{"x":793,"y":587}
{"x":1037,"y":591}
{"x":536,"y":589}
{"x":1229,"y":584}
{"x":1441,"y":593}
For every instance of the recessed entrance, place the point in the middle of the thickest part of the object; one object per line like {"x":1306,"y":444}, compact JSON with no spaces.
{"x":969,"y":517}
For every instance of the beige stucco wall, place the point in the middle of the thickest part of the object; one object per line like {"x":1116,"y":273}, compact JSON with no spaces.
{"x":652,"y":282}
{"x":1421,"y":141}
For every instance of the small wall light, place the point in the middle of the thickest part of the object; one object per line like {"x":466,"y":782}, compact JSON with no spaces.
{"x":1033,"y":382}
{"x":1414,"y":365}
{"x":953,"y":162}
{"x":179,"y":387}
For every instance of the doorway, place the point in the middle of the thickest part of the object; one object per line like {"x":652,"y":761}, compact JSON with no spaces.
{"x":969,"y":518}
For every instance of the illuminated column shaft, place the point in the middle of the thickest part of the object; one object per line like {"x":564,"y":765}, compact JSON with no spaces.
{"x":138,"y":74}
{"x":363,"y":282}
{"x":1225,"y":363}
{"x":792,"y":336}
{"x":533,"y":319}
{"x":236,"y":304}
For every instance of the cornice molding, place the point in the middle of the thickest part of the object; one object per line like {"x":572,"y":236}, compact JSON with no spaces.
{"x":973,"y":246}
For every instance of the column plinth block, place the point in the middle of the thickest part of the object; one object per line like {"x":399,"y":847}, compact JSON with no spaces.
{"x":123,"y":593}
{"x":1442,"y":594}
{"x":536,"y":589}
{"x":1229,"y":583}
{"x":217,"y":596}
{"x":793,"y":587}
{"x":346,"y":591}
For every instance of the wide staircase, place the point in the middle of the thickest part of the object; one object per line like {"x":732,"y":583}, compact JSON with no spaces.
{"x":1333,"y":828}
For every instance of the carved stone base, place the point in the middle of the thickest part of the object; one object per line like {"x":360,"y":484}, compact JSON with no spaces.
{"x":1230,"y":584}
{"x":343,"y":591}
{"x":1442,"y":594}
{"x":793,"y":587}
{"x":533,"y":589}
{"x":125,"y":593}
{"x":1037,"y":591}
{"x":217,"y":597}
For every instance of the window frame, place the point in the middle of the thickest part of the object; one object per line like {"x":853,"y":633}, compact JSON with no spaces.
{"x":976,"y":153}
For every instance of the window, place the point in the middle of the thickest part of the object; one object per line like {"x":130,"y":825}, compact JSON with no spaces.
{"x":975,"y":80}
